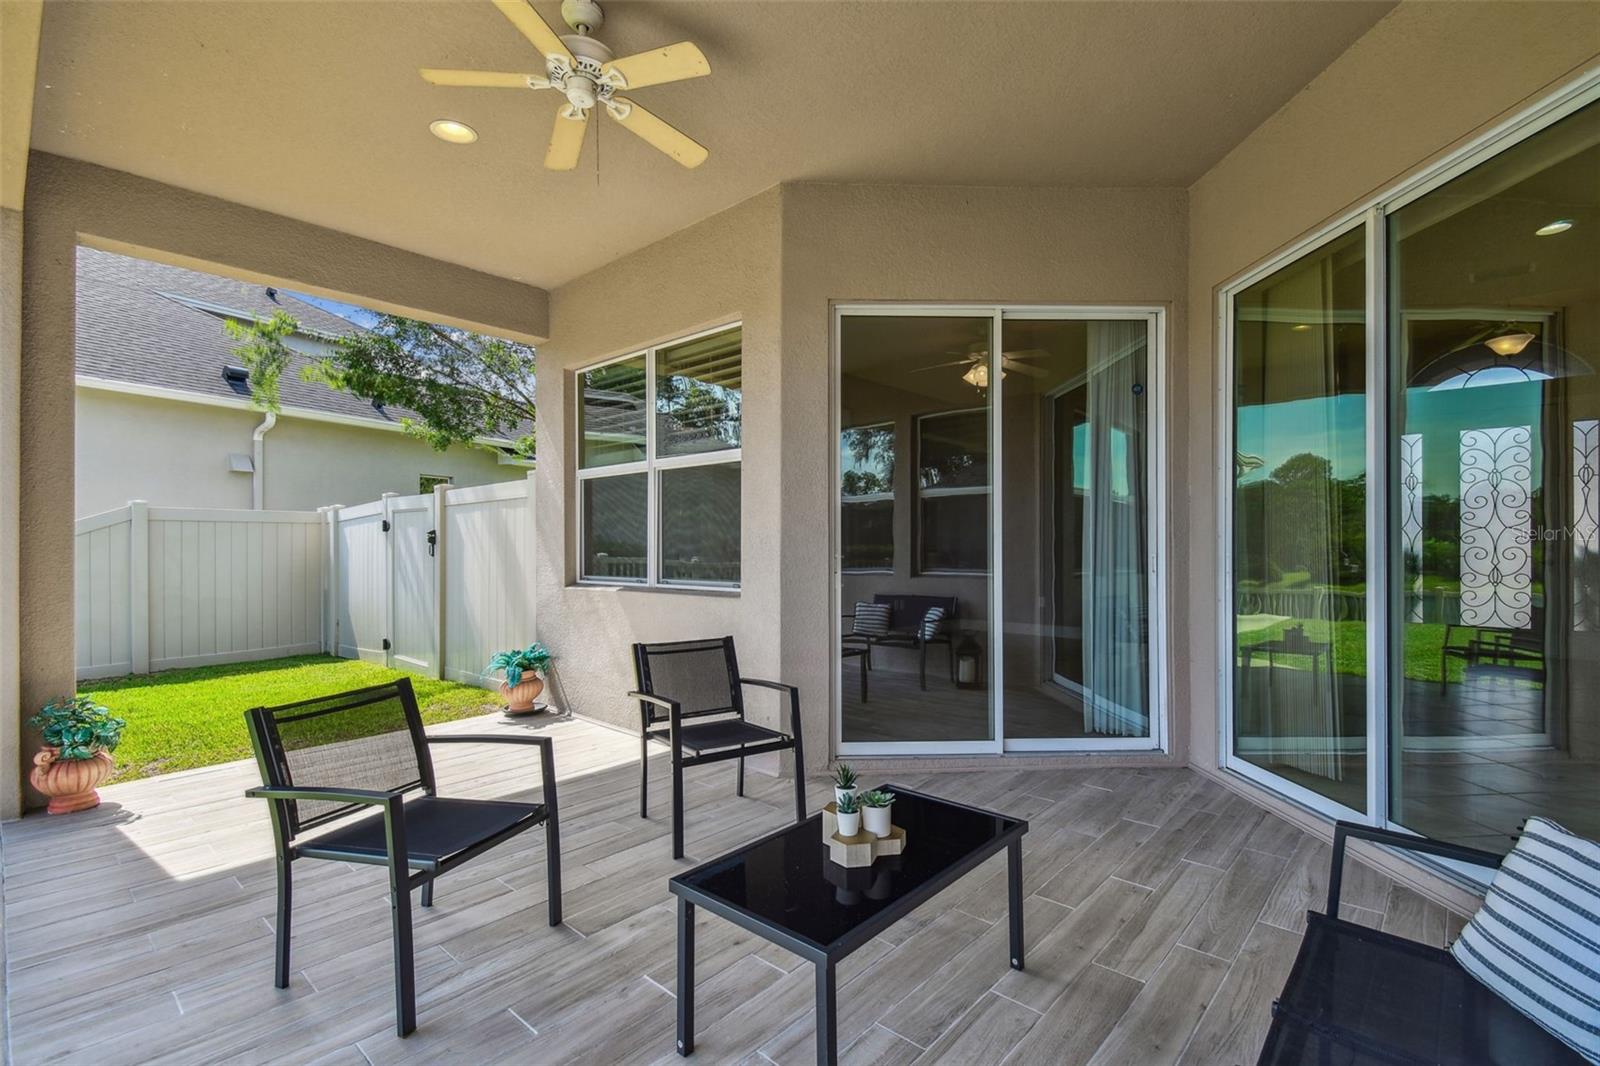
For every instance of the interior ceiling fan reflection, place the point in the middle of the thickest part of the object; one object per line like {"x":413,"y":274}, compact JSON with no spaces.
{"x":582,"y":69}
{"x":977,"y":365}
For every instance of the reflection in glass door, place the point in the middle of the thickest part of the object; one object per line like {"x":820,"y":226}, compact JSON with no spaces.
{"x":1494,"y":324}
{"x":950,"y":518}
{"x":1299,"y":523}
{"x":1075,"y":531}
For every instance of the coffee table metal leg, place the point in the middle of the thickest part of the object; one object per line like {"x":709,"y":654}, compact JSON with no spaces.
{"x":685,"y":977}
{"x":827,"y":1016}
{"x":1014,"y":883}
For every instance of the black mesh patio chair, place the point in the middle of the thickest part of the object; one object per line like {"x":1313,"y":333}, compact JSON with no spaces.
{"x":326,"y":761}
{"x":1358,"y":996}
{"x":691,"y":695}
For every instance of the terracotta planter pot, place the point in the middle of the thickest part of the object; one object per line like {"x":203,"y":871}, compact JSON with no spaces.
{"x":519,"y":698}
{"x":70,"y":783}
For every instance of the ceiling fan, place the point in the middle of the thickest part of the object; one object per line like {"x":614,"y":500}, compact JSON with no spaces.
{"x":977,"y":364}
{"x":583,"y":70}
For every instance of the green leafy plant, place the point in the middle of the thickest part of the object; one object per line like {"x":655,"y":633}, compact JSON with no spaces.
{"x":876,"y":798}
{"x":78,"y":726}
{"x":844,"y":777}
{"x":515,"y":663}
{"x":847,"y":804}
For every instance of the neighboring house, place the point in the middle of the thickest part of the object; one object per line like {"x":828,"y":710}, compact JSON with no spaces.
{"x":164,"y":413}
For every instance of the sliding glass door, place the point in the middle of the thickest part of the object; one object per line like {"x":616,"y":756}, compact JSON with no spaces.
{"x":1299,"y":521}
{"x":997,"y":552}
{"x":1413,"y":457}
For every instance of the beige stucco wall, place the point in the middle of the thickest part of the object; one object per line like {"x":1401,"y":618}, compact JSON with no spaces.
{"x":165,"y":453}
{"x":312,"y":464}
{"x":174,"y":454}
{"x":69,"y":202}
{"x":846,"y":243}
{"x":720,"y":270}
{"x":830,"y":243}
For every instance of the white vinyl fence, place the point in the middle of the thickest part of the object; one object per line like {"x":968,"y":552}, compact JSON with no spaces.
{"x":433,"y":584}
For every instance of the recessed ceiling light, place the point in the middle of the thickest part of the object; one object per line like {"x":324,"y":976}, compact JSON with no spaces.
{"x":1550,"y":229}
{"x":448,"y":129}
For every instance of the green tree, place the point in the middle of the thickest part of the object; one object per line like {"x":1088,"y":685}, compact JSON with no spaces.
{"x":264,"y":351}
{"x":460,"y":385}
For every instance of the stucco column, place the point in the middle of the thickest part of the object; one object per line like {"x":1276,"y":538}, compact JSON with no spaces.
{"x":45,"y":541}
{"x":10,"y":502}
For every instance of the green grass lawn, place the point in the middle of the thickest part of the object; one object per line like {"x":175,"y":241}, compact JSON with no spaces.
{"x":1424,"y":642}
{"x":180,"y":719}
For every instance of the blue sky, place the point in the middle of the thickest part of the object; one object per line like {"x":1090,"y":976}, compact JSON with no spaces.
{"x":349,"y":312}
{"x":1336,"y":429}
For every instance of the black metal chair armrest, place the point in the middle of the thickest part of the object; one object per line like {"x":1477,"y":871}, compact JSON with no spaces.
{"x":371,"y":797}
{"x":777,"y":685}
{"x":673,"y":708}
{"x":547,"y":757}
{"x":1405,"y":841}
{"x":487,"y":738}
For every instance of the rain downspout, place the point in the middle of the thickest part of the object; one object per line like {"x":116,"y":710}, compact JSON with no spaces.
{"x":258,"y":476}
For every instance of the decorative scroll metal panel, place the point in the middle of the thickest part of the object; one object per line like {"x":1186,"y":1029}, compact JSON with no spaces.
{"x":1496,"y":514}
{"x":1411,"y":518}
{"x":1586,"y":524}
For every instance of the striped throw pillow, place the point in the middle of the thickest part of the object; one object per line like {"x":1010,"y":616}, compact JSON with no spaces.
{"x":872,"y":619}
{"x":1536,"y":940}
{"x":932,"y":622}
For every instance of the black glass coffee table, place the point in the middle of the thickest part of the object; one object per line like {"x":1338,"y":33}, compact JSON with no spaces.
{"x":784,"y":888}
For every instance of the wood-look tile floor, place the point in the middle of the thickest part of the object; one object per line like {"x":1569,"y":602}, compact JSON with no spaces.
{"x":1162,"y":916}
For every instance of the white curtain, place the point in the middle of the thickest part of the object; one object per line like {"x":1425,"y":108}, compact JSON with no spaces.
{"x":1114,"y":587}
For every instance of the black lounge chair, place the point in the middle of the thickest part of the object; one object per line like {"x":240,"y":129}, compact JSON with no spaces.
{"x":325,"y":761}
{"x":1357,"y":995}
{"x":691,"y":695}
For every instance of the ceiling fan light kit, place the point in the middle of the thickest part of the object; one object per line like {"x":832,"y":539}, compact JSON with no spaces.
{"x":583,"y":70}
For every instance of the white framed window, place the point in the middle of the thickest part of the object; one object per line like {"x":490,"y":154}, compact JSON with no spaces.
{"x":866,"y":498}
{"x":659,"y":435}
{"x":953,"y":492}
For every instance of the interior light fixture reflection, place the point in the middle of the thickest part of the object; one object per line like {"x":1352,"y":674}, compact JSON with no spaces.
{"x":1550,"y":229}
{"x":1509,"y":344}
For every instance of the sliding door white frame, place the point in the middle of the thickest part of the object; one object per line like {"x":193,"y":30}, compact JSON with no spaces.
{"x":1381,"y":407}
{"x":1156,"y":480}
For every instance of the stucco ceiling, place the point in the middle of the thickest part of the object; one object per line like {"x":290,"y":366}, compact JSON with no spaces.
{"x":315,"y":110}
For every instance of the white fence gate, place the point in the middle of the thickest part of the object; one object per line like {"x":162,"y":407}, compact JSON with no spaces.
{"x":434,"y":584}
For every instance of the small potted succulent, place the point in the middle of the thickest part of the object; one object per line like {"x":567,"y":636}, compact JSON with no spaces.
{"x":523,"y":669}
{"x":849,"y":811}
{"x":875,"y":810}
{"x":844,"y":783}
{"x":79,"y":737}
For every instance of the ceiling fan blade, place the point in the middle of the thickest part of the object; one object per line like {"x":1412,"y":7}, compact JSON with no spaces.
{"x":535,"y":29}
{"x":658,"y":134}
{"x":484,"y":79}
{"x":1026,"y":353}
{"x":1025,"y":369}
{"x":566,"y":140}
{"x":941,"y":366}
{"x":658,"y":66}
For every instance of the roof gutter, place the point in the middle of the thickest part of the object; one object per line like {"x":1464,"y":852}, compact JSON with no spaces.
{"x":258,"y":476}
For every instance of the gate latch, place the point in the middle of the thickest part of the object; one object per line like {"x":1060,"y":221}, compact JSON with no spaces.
{"x":433,"y":541}
{"x":386,"y":525}
{"x":385,"y":643}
